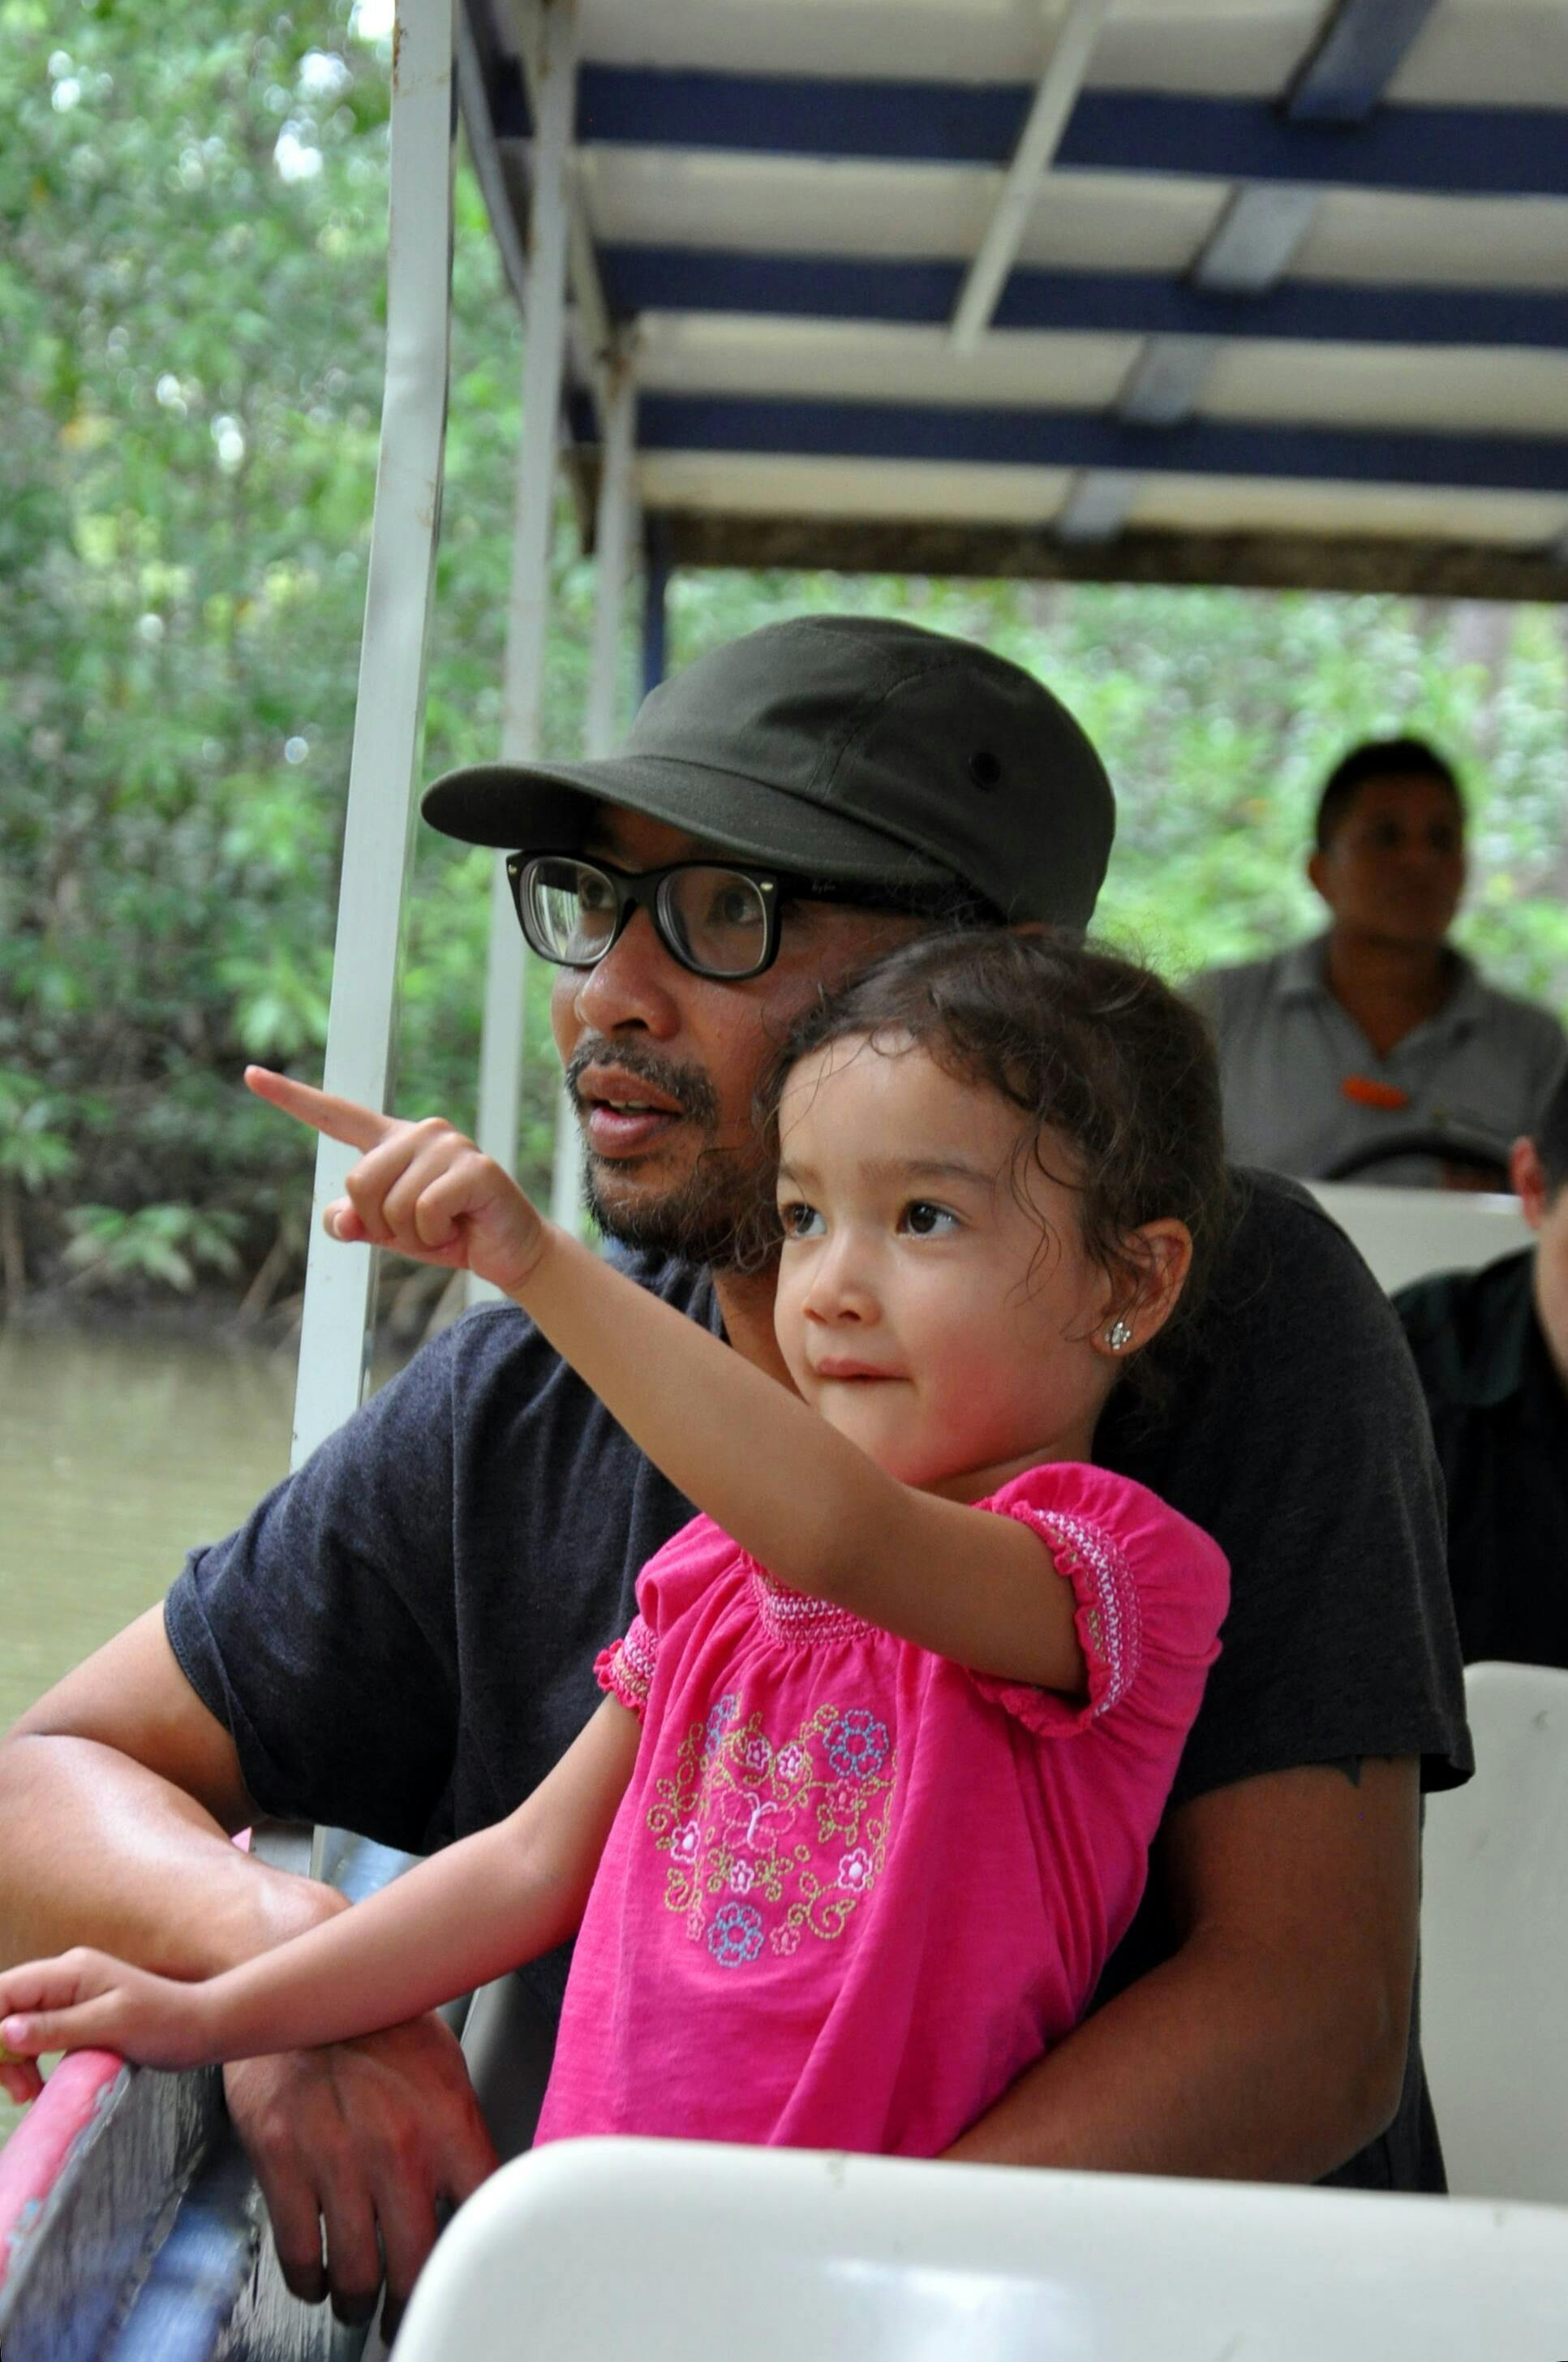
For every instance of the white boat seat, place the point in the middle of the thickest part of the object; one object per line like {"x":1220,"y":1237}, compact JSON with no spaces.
{"x":1493,"y":1938}
{"x":1405,"y":1234}
{"x":655,"y":2251}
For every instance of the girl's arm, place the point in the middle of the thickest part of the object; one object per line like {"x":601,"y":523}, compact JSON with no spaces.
{"x":801,"y":1498}
{"x":468,"y":1915}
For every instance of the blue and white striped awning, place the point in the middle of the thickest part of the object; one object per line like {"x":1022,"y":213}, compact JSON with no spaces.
{"x":1246,"y":290}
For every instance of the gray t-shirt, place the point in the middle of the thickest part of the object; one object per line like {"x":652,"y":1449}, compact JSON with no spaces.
{"x":1303,"y":1086}
{"x":401,"y":1639}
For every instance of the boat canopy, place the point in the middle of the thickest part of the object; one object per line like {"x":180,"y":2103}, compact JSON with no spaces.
{"x":1268,"y":292}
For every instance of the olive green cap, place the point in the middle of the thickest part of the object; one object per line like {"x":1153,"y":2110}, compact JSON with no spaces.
{"x":845,"y":747}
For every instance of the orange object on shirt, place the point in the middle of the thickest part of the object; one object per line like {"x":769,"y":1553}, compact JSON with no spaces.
{"x":1365,"y":1090}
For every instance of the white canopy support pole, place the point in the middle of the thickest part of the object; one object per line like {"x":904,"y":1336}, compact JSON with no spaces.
{"x":340,"y":1282}
{"x":528,"y":615}
{"x":655,"y":602}
{"x":612,"y":543}
{"x":1053,"y":102}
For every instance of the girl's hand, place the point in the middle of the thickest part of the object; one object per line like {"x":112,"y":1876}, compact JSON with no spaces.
{"x":420,"y":1188}
{"x":19,"y":2079}
{"x":85,"y":2001}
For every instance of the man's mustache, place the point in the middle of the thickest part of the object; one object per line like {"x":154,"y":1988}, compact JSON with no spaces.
{"x":688,"y":1085}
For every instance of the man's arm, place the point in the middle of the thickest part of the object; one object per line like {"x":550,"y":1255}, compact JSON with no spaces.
{"x":467,"y":1915}
{"x":1271,"y":2044}
{"x":118,"y":1793}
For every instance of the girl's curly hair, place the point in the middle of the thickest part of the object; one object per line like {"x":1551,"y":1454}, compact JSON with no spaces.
{"x":1094,"y":1053}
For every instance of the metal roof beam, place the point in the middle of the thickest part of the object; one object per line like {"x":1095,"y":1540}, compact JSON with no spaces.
{"x":1257,"y":238}
{"x":1446,"y":151}
{"x":1251,"y":246}
{"x":1341,"y":83}
{"x":530,"y":18}
{"x":1053,"y":102}
{"x":1069,"y":438}
{"x":528,"y":603}
{"x":1166,"y":379}
{"x":474,"y":84}
{"x":1270,"y":560}
{"x":1362,"y":48}
{"x":1098,"y":303}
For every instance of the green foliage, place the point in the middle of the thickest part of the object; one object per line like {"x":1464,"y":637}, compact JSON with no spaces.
{"x":35,"y":1148}
{"x":166,"y":1245}
{"x":193,"y":220}
{"x":192,"y":277}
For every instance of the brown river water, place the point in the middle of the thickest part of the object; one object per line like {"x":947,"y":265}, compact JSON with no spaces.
{"x":116,"y":1454}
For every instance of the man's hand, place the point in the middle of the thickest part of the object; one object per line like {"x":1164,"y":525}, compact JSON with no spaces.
{"x":88,"y":2001}
{"x":367,"y":2140}
{"x":422,"y":1189}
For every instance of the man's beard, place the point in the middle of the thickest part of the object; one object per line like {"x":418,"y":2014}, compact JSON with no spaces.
{"x":724,"y":1214}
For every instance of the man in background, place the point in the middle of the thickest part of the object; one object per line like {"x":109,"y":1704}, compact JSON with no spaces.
{"x":1342,"y":1053}
{"x":1492,"y":1349}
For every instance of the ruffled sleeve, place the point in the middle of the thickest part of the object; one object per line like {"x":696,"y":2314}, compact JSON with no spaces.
{"x":626,"y":1671}
{"x":1147,"y":1582}
{"x":674,"y":1579}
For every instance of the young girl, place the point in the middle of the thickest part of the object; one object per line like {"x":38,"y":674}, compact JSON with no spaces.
{"x":869,"y":1797}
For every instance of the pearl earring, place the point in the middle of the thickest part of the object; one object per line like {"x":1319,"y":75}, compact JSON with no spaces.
{"x":1120,"y":1333}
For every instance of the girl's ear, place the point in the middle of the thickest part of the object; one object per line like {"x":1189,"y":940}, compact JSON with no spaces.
{"x":1137,"y":1312}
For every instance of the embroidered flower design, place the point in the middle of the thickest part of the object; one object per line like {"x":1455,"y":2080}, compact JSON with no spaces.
{"x":735,"y":1936}
{"x":770,"y":1837}
{"x":756,"y":1755}
{"x":857,"y":1743}
{"x":721,"y":1715}
{"x":855,"y":1869}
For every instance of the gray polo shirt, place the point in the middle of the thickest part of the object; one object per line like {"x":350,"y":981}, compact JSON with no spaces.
{"x":1300,"y":1077}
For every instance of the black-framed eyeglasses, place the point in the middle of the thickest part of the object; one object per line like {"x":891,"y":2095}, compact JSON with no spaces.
{"x":717,"y":919}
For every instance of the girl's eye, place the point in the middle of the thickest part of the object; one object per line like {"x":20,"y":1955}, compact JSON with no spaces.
{"x":928,"y":1221}
{"x":800,"y":1222}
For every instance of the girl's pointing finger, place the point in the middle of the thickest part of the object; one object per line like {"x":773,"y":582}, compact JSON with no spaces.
{"x":356,"y":1127}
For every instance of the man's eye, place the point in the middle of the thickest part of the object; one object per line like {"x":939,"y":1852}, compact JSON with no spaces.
{"x":734,"y":906}
{"x":800,"y":1222}
{"x":928,"y":1221}
{"x":593,"y":894}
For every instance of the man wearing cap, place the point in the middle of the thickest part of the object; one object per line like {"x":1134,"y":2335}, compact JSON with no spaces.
{"x":401,"y":1639}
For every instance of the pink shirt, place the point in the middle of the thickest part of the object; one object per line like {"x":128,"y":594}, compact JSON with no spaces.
{"x":853,"y":1889}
